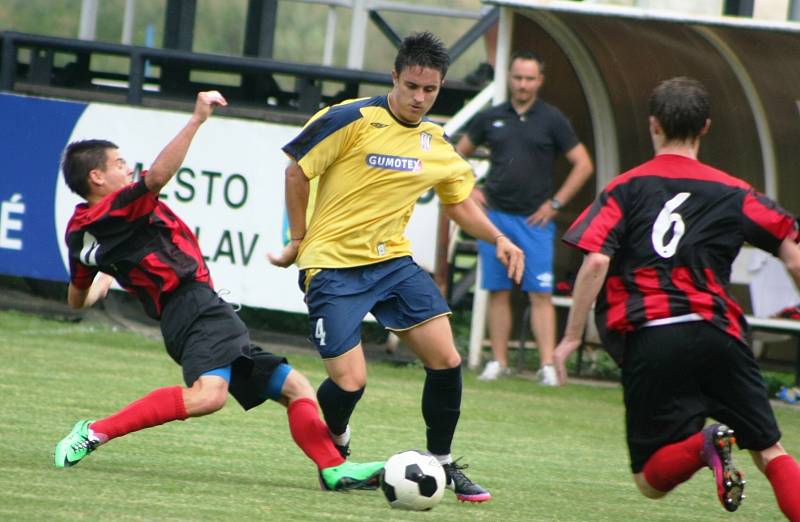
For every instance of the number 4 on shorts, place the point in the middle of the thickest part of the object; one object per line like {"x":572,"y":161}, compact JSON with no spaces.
{"x":319,"y":331}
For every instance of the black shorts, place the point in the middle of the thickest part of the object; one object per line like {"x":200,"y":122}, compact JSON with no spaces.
{"x":676,"y":376}
{"x":202,"y":332}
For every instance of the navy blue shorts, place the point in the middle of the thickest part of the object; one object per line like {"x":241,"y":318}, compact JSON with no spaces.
{"x":537,"y":244}
{"x":397,"y":292}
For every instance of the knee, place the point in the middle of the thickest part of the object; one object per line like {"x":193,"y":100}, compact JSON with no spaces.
{"x":296,"y":386}
{"x":453,"y":359}
{"x":349,"y":378}
{"x":205,"y":400}
{"x":539,"y":299}
{"x":763,"y":457}
{"x":351,"y":382}
{"x":444,"y":360}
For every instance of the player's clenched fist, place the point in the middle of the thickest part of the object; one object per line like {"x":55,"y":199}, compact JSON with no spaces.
{"x":206,"y":101}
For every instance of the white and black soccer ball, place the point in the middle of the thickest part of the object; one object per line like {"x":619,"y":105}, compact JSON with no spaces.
{"x":413,"y":480}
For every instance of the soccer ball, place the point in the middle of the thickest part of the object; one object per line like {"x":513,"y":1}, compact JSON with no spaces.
{"x":413,"y":480}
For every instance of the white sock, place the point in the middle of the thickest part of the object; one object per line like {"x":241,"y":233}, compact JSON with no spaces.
{"x":444,"y":459}
{"x":343,"y":439}
{"x":100,"y":438}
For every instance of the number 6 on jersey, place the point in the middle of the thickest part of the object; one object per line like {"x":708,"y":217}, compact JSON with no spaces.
{"x":664,"y":222}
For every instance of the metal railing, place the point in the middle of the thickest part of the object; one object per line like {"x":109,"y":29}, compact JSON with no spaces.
{"x":28,"y":61}
{"x":364,"y":11}
{"x":35,"y":62}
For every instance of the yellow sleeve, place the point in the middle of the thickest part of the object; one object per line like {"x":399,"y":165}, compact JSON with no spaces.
{"x":326,"y":136}
{"x":458,"y":186}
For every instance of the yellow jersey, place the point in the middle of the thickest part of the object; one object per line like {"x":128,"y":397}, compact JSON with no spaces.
{"x":372,"y":168}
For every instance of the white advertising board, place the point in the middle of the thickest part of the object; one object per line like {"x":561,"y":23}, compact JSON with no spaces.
{"x":230,"y":190}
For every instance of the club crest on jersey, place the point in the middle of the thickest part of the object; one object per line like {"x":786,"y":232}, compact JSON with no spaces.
{"x":385,"y":161}
{"x":498,"y":123}
{"x":425,"y":141}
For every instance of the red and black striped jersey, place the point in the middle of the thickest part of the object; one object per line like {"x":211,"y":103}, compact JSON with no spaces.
{"x":672,"y":227}
{"x":137,"y":239}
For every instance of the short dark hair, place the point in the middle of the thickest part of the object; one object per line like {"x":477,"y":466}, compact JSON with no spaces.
{"x":80,"y":158}
{"x":423,"y":49}
{"x":526,"y":54}
{"x":681,"y":106}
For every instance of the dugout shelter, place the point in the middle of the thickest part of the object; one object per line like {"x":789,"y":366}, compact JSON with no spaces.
{"x":602,"y":62}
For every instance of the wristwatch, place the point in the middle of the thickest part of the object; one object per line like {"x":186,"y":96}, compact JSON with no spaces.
{"x":556,"y":204}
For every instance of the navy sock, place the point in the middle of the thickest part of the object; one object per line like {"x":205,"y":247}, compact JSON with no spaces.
{"x":337,"y":405}
{"x":441,"y":407}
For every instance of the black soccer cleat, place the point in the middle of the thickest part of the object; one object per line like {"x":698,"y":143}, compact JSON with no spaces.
{"x":462,"y":486}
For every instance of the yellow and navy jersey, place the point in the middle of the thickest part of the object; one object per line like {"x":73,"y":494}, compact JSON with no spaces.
{"x":371,"y":168}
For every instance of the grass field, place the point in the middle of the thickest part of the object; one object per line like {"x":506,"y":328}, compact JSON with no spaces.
{"x":546,"y":454}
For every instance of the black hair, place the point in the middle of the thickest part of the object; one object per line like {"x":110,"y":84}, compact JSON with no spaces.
{"x":423,"y":50}
{"x":681,"y":105}
{"x":525,"y":54}
{"x":80,"y":158}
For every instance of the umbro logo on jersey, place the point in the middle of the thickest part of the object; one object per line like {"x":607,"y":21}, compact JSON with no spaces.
{"x":379,"y":125}
{"x":498,"y":123}
{"x":384,"y":161}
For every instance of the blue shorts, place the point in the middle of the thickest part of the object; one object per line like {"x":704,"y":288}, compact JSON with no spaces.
{"x":397,"y":292}
{"x":537,"y":244}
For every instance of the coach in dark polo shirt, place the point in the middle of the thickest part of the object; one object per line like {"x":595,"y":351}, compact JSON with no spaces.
{"x":524,"y":136}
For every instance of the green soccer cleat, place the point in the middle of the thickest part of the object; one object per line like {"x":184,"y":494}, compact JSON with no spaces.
{"x":350,"y":475}
{"x":75,"y":446}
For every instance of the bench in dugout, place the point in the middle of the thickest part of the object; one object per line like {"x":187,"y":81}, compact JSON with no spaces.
{"x":759,"y":282}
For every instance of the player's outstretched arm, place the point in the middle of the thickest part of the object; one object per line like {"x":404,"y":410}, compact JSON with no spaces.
{"x":170,"y":159}
{"x":588,"y":283}
{"x":471,"y":218}
{"x":78,"y":298}
{"x":297,"y":190}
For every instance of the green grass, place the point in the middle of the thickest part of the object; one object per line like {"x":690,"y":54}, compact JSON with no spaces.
{"x":546,"y":454}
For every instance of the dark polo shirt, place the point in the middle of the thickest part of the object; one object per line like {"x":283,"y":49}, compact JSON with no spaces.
{"x":523,"y":148}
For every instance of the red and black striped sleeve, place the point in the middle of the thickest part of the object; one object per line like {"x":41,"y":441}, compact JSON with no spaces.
{"x":765,"y":224}
{"x":81,"y":276}
{"x":600,"y":227}
{"x":108,"y":221}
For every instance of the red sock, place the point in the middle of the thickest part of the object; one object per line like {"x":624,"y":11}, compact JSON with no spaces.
{"x":784,"y":474}
{"x":311,"y":434}
{"x":157,"y":407}
{"x":675,"y":463}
